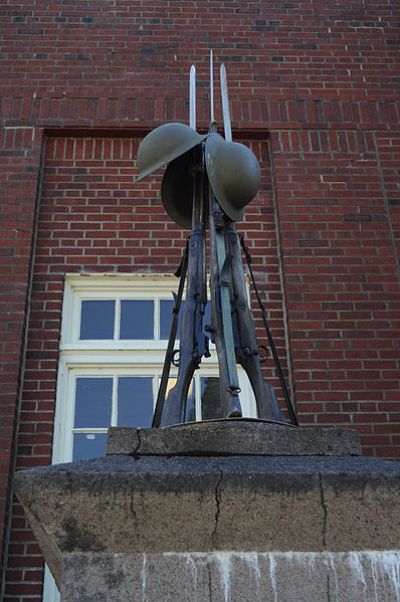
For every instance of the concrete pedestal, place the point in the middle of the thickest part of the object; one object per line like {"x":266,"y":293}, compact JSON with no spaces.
{"x":220,"y":511}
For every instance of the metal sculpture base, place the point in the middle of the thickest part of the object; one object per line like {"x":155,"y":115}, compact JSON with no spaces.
{"x":181,"y":514}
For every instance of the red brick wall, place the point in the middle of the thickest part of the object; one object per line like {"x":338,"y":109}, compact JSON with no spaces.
{"x":342,"y":289}
{"x":19,"y":176}
{"x":323,"y":79}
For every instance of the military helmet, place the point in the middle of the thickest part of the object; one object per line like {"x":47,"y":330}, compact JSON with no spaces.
{"x":234,"y":174}
{"x":177,"y":190}
{"x":163,"y":145}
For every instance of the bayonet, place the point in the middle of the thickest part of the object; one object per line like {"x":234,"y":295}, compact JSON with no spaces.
{"x":212,"y":118}
{"x":226,"y":114}
{"x":192,"y":97}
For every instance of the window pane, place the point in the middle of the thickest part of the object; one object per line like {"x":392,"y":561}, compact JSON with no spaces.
{"x":97,"y":320}
{"x":166,"y":318}
{"x":190,"y":414}
{"x":89,"y":445}
{"x":93,"y":402}
{"x":135,"y":401}
{"x":137,"y":320}
{"x":210,"y":400}
{"x":191,"y":404}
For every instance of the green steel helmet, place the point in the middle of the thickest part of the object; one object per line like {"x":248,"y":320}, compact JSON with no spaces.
{"x":177,"y":190}
{"x":234,"y":174}
{"x":163,"y":145}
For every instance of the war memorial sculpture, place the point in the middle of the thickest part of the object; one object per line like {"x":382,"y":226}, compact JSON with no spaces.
{"x":225,"y":510}
{"x":208,"y":182}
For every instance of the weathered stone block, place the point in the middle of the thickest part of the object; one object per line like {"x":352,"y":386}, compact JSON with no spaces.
{"x":234,"y":437}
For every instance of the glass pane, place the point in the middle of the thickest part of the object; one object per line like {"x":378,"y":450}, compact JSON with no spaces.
{"x":190,"y":415}
{"x":135,"y":401}
{"x":210,"y":400}
{"x":93,"y":402}
{"x":137,"y":320}
{"x":191,"y":404}
{"x":89,"y":445}
{"x":97,"y":320}
{"x":166,"y":318}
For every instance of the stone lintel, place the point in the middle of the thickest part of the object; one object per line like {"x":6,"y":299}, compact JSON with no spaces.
{"x":234,"y":437}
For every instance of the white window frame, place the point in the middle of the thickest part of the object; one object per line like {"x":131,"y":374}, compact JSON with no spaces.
{"x":113,"y":357}
{"x":113,"y":287}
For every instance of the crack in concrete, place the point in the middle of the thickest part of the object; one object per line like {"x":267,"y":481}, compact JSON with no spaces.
{"x":325,"y":511}
{"x":217,"y":495}
{"x":135,"y":452}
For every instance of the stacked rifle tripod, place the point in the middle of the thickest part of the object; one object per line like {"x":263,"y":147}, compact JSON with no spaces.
{"x":208,"y":182}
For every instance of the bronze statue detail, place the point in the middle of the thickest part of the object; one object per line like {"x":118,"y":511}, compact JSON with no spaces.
{"x":208,"y":182}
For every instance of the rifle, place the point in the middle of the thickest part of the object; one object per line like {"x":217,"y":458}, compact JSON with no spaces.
{"x":193,"y":342}
{"x":221,"y":314}
{"x":221,"y":308}
{"x":247,"y":354}
{"x":169,"y":356}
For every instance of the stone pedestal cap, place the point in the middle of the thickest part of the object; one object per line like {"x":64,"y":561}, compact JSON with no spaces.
{"x":234,"y":436}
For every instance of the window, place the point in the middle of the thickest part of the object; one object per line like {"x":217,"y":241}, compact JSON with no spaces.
{"x":113,"y":339}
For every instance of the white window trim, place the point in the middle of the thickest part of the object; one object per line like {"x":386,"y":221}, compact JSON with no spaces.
{"x":79,"y":288}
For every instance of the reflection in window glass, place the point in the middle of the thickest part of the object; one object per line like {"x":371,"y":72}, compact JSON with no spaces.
{"x":89,"y":445}
{"x":190,"y":414}
{"x":210,"y":400}
{"x":97,"y":320}
{"x":135,"y":401}
{"x":166,"y":318}
{"x":93,"y":402}
{"x":137,"y":320}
